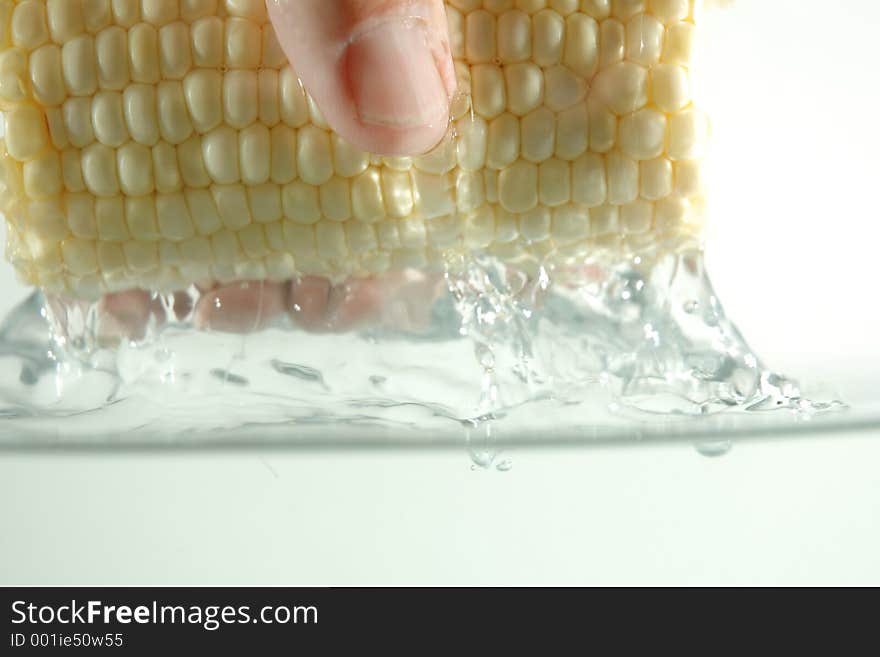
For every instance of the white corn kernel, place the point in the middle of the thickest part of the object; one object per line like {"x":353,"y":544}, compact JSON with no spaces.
{"x":139,"y":106}
{"x":79,"y":64}
{"x":300,"y":202}
{"x":549,"y":37}
{"x":77,"y":113}
{"x":220,"y":153}
{"x":670,"y":87}
{"x":172,"y":215}
{"x":636,"y":217}
{"x":253,"y":9}
{"x":623,"y":178}
{"x":433,"y":195}
{"x":397,"y":193}
{"x":643,"y":134}
{"x":335,"y":197}
{"x":42,"y":176}
{"x":135,"y":165}
{"x":670,"y":11}
{"x":488,"y":90}
{"x":108,"y":120}
{"x":518,"y":186}
{"x":255,"y":156}
{"x":562,"y":88}
{"x":480,"y":37}
{"x":159,"y":12}
{"x":283,"y":147}
{"x":314,"y":158}
{"x":572,"y":132}
{"x":525,"y":87}
{"x":190,"y":163}
{"x":239,"y":91}
{"x":538,"y":135}
{"x":143,"y":48}
{"x":111,"y":50}
{"x":46,"y":77}
{"x":679,"y":45}
{"x":688,"y":178}
{"x":504,"y":141}
{"x":28,"y":26}
{"x":366,"y":197}
{"x":140,"y":217}
{"x":13,"y":75}
{"x":655,"y":177}
{"x":26,"y":132}
{"x":125,"y":12}
{"x":175,"y":58}
{"x":514,"y":37}
{"x":203,"y":90}
{"x":166,"y":171}
{"x":110,"y":219}
{"x":644,"y":39}
{"x":589,"y":182}
{"x":65,"y":19}
{"x":203,"y":211}
{"x":688,"y":134}
{"x":623,"y":87}
{"x":208,"y":47}
{"x":554,"y":182}
{"x":232,"y":202}
{"x":272,"y":56}
{"x":581,"y":45}
{"x":473,"y":135}
{"x":612,"y":42}
{"x":57,"y":129}
{"x":294,"y":106}
{"x":265,"y":202}
{"x":71,"y":171}
{"x":174,"y":124}
{"x":269,"y":112}
{"x":80,"y":256}
{"x":243,"y":44}
{"x":348,"y":160}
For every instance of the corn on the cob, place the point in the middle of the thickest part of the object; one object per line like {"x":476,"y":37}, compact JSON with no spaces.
{"x":158,"y":143}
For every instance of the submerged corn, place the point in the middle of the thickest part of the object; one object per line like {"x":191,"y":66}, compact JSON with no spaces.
{"x":160,"y":143}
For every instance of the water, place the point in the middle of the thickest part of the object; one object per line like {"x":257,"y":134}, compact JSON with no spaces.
{"x":638,"y":347}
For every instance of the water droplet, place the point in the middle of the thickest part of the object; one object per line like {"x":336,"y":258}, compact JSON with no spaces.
{"x":485,"y":356}
{"x":482,"y":459}
{"x":505,"y":465}
{"x":713,"y":448}
{"x":691,"y":306}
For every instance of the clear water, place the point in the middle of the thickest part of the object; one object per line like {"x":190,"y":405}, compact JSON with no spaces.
{"x":639,"y":348}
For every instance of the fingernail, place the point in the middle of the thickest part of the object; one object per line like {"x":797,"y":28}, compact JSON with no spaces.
{"x":393,"y":76}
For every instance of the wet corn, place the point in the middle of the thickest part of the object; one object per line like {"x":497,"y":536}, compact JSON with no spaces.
{"x":160,"y":143}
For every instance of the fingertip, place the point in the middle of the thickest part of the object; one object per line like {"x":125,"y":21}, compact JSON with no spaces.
{"x":381,"y":71}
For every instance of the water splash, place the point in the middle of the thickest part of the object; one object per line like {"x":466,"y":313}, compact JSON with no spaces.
{"x":608,"y":346}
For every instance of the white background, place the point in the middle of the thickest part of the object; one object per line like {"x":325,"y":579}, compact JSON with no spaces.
{"x":792,"y":248}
